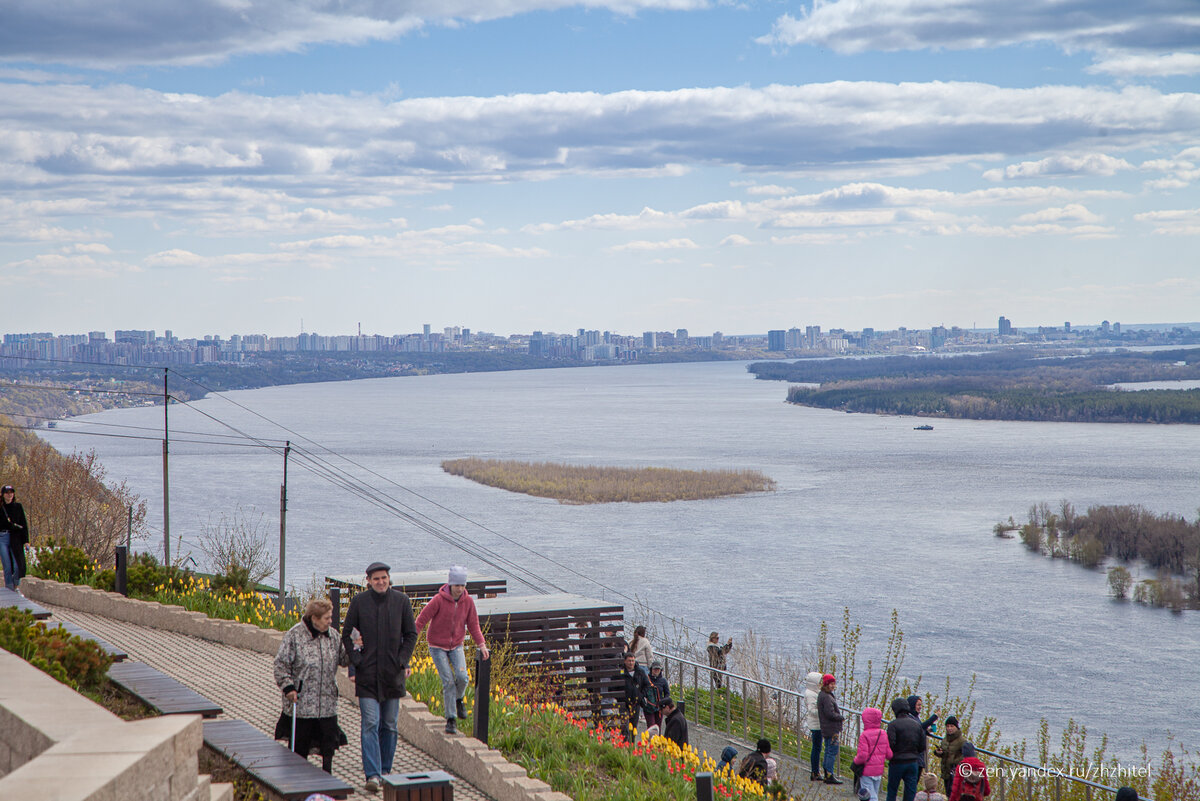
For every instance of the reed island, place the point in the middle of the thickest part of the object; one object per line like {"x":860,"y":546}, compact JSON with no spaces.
{"x":588,"y":484}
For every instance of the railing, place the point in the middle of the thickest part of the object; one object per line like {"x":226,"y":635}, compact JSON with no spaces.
{"x":763,"y":709}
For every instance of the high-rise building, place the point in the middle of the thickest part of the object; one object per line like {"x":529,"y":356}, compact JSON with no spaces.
{"x":649,"y":340}
{"x":777,"y":339}
{"x":427,"y":328}
{"x":1005,"y":326}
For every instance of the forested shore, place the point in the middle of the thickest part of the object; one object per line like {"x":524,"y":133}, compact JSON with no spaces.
{"x":1013,"y":385}
{"x":1168,"y":544}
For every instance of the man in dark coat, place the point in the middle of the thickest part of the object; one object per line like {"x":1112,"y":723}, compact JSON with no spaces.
{"x":675,"y":725}
{"x":635,"y":682}
{"x":907,"y":739}
{"x":386,"y":635}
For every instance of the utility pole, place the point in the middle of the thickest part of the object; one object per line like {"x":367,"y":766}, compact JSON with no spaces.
{"x":166,"y":482}
{"x":287,"y":448}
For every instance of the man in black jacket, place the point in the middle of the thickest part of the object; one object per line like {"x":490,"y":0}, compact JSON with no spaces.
{"x":907,"y":739}
{"x":386,"y":635}
{"x":675,"y":726}
{"x":14,"y":536}
{"x":635,"y":682}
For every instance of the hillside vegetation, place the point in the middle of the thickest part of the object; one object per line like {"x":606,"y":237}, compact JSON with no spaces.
{"x":575,"y":484}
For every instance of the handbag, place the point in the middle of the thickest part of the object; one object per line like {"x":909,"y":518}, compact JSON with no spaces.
{"x":856,"y":770}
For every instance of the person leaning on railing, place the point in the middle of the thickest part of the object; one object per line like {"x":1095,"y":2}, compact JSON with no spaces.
{"x":716,"y":656}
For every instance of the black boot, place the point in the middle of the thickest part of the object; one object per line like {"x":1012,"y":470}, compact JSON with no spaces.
{"x":816,"y":776}
{"x":461,"y":708}
{"x":831,"y":779}
{"x":451,"y":728}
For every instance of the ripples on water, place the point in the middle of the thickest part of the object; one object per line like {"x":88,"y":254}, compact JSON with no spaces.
{"x":869,"y":514}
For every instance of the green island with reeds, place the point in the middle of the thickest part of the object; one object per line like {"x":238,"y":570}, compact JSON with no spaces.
{"x":591,"y":484}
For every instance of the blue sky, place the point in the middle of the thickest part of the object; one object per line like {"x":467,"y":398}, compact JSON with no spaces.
{"x":237,"y":167}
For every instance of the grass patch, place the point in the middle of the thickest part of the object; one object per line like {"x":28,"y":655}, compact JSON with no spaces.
{"x":586,"y":484}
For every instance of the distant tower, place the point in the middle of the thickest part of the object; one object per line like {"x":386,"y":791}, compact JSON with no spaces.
{"x":360,"y":329}
{"x":1005,"y":326}
{"x":426,"y":330}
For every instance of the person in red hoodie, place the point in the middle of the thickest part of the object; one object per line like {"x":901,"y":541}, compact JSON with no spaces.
{"x":970,"y":781}
{"x":874,"y":751}
{"x":449,"y":615}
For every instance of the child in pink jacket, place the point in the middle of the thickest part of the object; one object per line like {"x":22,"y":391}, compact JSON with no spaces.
{"x":873,"y":752}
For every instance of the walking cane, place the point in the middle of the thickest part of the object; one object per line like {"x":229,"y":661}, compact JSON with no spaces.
{"x":292,"y":742}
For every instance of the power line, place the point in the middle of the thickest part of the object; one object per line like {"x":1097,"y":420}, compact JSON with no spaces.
{"x":134,"y":428}
{"x":82,"y":389}
{"x":461,"y":545}
{"x":76,"y":432}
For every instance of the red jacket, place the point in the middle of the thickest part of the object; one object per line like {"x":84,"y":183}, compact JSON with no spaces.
{"x":448,"y":619}
{"x":964,"y":789}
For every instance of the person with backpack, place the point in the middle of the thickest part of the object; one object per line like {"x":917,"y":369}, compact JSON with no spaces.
{"x":654,"y":694}
{"x":907,"y":739}
{"x":830,"y":714}
{"x":754,"y":764}
{"x":950,"y":751}
{"x":970,"y":781}
{"x":728,"y":754}
{"x":874,"y":751}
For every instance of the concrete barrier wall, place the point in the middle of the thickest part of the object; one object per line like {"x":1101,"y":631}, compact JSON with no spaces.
{"x":54,"y":743}
{"x":150,"y":613}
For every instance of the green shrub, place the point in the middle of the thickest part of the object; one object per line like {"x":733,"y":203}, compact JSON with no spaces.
{"x":62,"y":563}
{"x":234,"y":580}
{"x":74,"y":661}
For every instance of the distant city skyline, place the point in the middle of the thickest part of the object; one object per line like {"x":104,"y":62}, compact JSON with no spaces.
{"x":718,"y":165}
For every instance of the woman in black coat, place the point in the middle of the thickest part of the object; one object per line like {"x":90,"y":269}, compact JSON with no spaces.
{"x":14,"y":536}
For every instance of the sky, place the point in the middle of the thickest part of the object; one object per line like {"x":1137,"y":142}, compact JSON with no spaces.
{"x":272,"y":166}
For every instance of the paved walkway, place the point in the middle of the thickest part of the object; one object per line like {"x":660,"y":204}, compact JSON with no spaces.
{"x":242,"y":683}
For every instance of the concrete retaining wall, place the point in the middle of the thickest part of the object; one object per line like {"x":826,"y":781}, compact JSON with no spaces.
{"x":54,"y":743}
{"x":150,"y":613}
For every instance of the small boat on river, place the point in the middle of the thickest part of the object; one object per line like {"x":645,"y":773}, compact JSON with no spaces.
{"x":925,"y":427}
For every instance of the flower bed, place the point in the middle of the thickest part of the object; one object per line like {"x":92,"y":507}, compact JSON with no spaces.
{"x":587,"y":763}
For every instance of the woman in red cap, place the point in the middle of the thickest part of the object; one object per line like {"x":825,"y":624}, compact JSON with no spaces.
{"x":830,"y":714}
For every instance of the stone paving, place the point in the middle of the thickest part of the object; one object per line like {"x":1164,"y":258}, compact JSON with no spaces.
{"x":242,"y":683}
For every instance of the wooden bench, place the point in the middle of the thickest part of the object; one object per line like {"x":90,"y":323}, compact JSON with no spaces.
{"x":116,"y":653}
{"x":159,"y":691}
{"x":289,"y":775}
{"x":14,"y":599}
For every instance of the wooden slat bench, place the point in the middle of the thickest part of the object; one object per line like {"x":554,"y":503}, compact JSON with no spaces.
{"x":116,"y":653}
{"x":12,"y":598}
{"x":159,"y":691}
{"x":289,"y":775}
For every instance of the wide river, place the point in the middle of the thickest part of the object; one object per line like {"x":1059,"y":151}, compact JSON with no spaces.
{"x":869,"y":514}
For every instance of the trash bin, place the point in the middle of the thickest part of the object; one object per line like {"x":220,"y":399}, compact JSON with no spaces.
{"x":432,"y":786}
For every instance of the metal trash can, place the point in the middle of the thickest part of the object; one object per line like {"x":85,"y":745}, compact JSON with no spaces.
{"x":432,"y":786}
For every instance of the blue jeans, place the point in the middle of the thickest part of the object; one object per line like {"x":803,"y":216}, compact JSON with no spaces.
{"x":10,"y":567}
{"x":909,"y":772}
{"x":831,"y":755}
{"x":452,"y":670}
{"x":815,"y":756}
{"x":872,"y":785}
{"x":378,"y":734}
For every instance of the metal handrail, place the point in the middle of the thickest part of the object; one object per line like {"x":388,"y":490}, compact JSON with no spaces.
{"x":723,"y":677}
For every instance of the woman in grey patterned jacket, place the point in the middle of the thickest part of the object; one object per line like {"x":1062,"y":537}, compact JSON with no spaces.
{"x":306,"y":672}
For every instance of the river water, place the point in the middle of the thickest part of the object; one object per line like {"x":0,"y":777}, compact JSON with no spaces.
{"x":868,"y":514}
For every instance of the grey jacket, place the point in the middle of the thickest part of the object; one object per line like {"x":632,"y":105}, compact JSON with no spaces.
{"x":308,"y":663}
{"x":829,"y":713}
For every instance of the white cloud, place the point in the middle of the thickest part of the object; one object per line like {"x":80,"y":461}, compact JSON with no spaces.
{"x":1130,"y":66}
{"x":665,"y":244}
{"x":1058,"y":166}
{"x":1119,"y":32}
{"x":1071,"y":213}
{"x":173,"y":258}
{"x":769,"y":189}
{"x":1177,"y":222}
{"x":102,"y":34}
{"x":734,"y":240}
